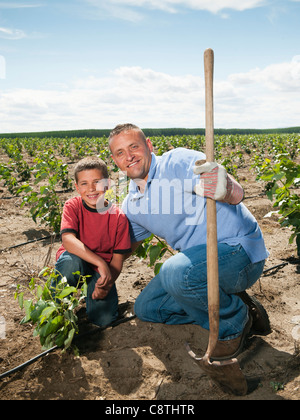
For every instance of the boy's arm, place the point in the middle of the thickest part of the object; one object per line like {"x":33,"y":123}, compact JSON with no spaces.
{"x":102,"y":288}
{"x":76,"y":247}
{"x":134,"y":247}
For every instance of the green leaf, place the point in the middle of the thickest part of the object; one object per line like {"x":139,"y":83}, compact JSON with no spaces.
{"x":20,"y":300}
{"x":47,"y":312}
{"x":61,"y":337}
{"x":39,"y":307}
{"x":28,"y":306}
{"x":70,"y":316}
{"x":39,"y":291}
{"x":154,"y":253}
{"x":69,"y":340}
{"x":52,"y":326}
{"x":66,"y":292}
{"x":157,"y":268}
{"x":84,"y":290}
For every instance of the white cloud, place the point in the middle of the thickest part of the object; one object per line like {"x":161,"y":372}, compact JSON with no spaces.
{"x":9,"y":33}
{"x":261,"y":98}
{"x":283,"y":77}
{"x":14,"y":5}
{"x":210,"y":5}
{"x":133,"y":9}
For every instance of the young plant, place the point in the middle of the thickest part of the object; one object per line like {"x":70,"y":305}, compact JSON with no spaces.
{"x":51,"y":308}
{"x":46,"y":204}
{"x":155,"y":248}
{"x":281,"y":178}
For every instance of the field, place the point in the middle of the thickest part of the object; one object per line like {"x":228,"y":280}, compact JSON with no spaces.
{"x":136,"y":360}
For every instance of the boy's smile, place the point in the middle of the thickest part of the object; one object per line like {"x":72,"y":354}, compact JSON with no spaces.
{"x":90,"y":187}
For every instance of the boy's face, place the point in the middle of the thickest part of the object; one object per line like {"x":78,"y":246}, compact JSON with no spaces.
{"x":90,"y":187}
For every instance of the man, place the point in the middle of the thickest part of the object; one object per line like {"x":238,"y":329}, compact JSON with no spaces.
{"x":168,"y":198}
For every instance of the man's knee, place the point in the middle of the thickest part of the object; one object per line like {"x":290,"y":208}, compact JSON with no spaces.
{"x":173,"y":271}
{"x":138,"y":307}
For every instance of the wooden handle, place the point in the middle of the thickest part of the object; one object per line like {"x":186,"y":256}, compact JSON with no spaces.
{"x":209,"y":103}
{"x":212,"y":243}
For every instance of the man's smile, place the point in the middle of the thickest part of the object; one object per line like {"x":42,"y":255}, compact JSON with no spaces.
{"x":133,"y":164}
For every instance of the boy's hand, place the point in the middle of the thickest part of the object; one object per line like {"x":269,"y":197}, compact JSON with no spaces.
{"x":101,"y":291}
{"x":104,"y":283}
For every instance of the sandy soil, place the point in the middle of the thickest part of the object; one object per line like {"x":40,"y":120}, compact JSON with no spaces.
{"x":144,"y":361}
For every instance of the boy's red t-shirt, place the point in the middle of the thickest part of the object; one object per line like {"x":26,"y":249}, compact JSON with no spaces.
{"x":103,"y":232}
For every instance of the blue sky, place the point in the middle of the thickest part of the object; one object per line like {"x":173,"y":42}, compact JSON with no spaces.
{"x":93,"y":63}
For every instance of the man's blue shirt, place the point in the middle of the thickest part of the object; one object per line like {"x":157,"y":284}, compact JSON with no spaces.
{"x":170,"y":209}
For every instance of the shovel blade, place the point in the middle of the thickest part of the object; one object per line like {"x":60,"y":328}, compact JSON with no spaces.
{"x":226,"y":374}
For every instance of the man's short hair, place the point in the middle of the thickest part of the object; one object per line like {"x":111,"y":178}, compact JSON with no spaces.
{"x":120,"y":128}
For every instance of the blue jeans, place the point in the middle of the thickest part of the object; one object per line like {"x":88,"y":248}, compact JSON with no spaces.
{"x":178,"y":294}
{"x":100,"y":312}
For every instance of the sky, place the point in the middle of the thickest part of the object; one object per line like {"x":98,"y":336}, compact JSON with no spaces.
{"x":92,"y":64}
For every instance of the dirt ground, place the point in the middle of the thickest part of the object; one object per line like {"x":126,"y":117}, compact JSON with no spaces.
{"x":144,"y":361}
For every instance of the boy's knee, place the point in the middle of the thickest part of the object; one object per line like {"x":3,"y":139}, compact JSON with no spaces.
{"x":101,"y":319}
{"x":102,"y":312}
{"x":68,"y":264}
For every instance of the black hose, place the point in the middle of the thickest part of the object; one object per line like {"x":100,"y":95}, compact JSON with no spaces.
{"x":93,"y":331}
{"x":25,"y":243}
{"x":275,"y":266}
{"x":29,"y":362}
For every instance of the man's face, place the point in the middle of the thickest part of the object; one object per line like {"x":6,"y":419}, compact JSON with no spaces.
{"x":132,"y":154}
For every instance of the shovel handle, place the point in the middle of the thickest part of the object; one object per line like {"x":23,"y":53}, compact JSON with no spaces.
{"x":211,"y":213}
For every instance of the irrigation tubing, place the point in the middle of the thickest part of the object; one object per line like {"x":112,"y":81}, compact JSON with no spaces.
{"x":275,"y":267}
{"x":29,"y":362}
{"x":25,"y":243}
{"x":45,"y":353}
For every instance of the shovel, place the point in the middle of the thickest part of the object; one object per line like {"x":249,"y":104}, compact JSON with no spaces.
{"x":227,"y":374}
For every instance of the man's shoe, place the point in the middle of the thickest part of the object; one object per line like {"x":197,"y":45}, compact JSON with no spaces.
{"x":228,"y":349}
{"x":260,"y":320}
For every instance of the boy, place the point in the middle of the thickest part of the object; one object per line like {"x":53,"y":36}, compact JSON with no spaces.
{"x":95,"y":239}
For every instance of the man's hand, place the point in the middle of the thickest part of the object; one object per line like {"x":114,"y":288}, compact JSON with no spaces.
{"x":215,"y":183}
{"x":213,"y":180}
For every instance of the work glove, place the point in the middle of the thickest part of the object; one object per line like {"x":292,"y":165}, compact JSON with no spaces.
{"x":215,"y":183}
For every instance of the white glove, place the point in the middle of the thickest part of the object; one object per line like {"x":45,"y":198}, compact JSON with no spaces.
{"x":215,"y":183}
{"x":213,"y":180}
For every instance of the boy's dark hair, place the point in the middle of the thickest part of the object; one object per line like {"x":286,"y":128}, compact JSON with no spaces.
{"x":89,"y":163}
